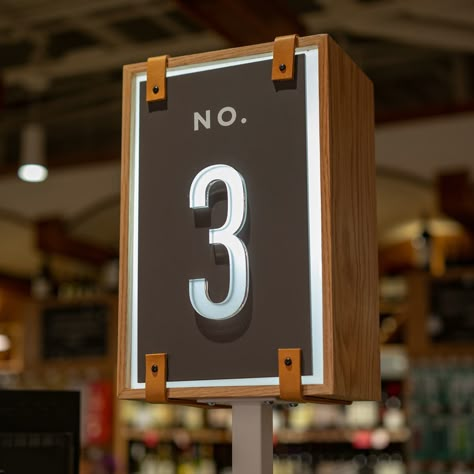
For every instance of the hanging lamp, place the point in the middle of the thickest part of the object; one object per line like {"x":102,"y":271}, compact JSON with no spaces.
{"x":33,"y":154}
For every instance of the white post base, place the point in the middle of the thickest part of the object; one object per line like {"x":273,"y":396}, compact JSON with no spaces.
{"x":252,"y":438}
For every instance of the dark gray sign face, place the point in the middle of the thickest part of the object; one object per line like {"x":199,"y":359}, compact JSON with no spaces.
{"x":237,"y":117}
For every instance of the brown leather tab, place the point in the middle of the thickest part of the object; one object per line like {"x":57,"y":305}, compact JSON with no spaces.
{"x":155,"y":378}
{"x":284,"y":58}
{"x":289,"y":373}
{"x":156,"y":78}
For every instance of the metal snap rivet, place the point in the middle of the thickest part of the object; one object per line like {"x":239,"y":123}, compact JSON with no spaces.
{"x":154,"y":368}
{"x":282,"y":67}
{"x":288,"y":361}
{"x":155,"y":89}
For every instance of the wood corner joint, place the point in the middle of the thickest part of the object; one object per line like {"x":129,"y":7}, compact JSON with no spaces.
{"x":289,"y":374}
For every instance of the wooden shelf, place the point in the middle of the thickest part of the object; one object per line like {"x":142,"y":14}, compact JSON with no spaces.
{"x":335,"y":435}
{"x":204,"y":436}
{"x":284,"y":436}
{"x":391,"y":307}
{"x":14,"y":366}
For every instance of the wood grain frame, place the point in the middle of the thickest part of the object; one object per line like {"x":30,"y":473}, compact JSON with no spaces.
{"x":349,"y":247}
{"x":104,"y":363}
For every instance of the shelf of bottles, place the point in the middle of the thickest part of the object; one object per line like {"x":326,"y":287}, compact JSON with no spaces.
{"x":441,"y":407}
{"x":166,"y":458}
{"x":365,"y":437}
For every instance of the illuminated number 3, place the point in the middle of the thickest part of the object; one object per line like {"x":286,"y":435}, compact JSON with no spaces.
{"x":225,"y":235}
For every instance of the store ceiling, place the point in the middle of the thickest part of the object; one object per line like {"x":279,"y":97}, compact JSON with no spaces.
{"x":61,"y":63}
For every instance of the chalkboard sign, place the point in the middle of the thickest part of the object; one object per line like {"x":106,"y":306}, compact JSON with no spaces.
{"x":75,"y":331}
{"x":452,"y":310}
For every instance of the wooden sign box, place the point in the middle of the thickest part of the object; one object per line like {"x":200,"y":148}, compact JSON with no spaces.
{"x":345,"y":329}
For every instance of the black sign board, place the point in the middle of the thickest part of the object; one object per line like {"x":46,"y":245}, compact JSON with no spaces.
{"x":452,"y":311}
{"x":39,"y":432}
{"x":75,"y":331}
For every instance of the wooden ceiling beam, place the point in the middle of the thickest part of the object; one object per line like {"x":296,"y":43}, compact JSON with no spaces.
{"x":244,"y":22}
{"x":456,"y":197}
{"x":98,"y":59}
{"x":14,"y":283}
{"x":401,"y":257}
{"x":53,"y":238}
{"x":70,"y":160}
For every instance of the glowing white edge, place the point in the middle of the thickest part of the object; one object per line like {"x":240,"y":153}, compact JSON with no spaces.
{"x":314,"y":215}
{"x":133,"y":232}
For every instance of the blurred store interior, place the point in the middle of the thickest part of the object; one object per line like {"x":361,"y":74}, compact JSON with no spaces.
{"x":60,"y":103}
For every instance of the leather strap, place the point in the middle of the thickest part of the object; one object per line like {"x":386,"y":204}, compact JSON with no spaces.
{"x":284,"y":58}
{"x":156,"y":376}
{"x":289,"y":373}
{"x":156,"y":78}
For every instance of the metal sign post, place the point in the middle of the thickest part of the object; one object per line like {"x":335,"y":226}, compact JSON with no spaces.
{"x":252,"y":437}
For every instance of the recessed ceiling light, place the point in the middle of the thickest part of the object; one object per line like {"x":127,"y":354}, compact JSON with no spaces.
{"x":32,"y":173}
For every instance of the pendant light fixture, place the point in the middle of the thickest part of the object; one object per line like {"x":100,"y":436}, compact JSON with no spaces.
{"x":33,"y":154}
{"x":5,"y":343}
